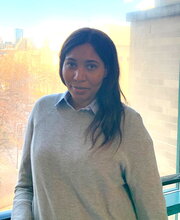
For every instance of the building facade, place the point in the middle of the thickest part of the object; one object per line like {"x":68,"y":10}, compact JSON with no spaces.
{"x":154,"y":76}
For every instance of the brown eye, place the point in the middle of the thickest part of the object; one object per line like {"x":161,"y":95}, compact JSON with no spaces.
{"x":71,"y":65}
{"x":91,"y":66}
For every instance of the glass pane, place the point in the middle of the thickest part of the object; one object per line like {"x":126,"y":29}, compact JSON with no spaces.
{"x":148,"y":52}
{"x":27,"y":73}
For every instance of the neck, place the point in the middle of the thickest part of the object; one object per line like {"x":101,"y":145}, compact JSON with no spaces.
{"x":77,"y":105}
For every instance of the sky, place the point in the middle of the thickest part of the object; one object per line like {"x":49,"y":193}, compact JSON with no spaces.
{"x":40,"y":18}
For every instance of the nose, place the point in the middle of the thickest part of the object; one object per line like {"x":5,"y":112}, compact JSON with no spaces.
{"x":79,"y":74}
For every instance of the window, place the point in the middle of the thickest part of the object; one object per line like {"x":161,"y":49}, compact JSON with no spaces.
{"x":148,"y":45}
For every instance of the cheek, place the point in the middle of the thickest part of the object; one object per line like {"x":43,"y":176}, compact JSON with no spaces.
{"x":65,"y":74}
{"x":96,"y":81}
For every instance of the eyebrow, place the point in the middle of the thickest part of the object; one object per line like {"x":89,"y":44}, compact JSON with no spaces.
{"x":69,"y":58}
{"x":92,"y":61}
{"x":87,"y":61}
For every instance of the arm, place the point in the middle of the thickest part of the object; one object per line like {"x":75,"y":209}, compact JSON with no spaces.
{"x":142,"y":174}
{"x":22,"y":205}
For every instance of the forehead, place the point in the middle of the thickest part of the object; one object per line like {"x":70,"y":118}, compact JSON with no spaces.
{"x":84,"y":51}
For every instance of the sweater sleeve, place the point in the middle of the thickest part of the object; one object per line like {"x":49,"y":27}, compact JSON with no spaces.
{"x":142,"y":175}
{"x":22,"y":205}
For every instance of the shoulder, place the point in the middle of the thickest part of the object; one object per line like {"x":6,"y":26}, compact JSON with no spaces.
{"x":136,"y":137}
{"x":49,"y":99}
{"x":130,"y":113}
{"x":46,"y":103}
{"x":133,"y":123}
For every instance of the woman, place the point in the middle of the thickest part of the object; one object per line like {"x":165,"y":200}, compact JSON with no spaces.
{"x":86,"y":155}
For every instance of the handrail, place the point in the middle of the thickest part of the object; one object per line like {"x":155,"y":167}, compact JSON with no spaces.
{"x":5,"y":215}
{"x":172,"y":197}
{"x":170,"y":179}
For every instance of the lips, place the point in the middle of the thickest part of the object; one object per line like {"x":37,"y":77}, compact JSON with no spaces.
{"x":79,"y":89}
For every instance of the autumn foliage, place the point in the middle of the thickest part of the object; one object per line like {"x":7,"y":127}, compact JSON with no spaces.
{"x":26,"y":73}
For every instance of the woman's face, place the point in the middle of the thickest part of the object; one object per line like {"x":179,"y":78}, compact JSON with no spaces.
{"x":83,"y":72}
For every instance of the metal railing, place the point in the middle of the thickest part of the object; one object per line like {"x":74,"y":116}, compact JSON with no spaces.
{"x":172,"y":197}
{"x":170,"y":179}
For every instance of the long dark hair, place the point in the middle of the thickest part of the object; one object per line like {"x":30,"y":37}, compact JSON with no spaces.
{"x":107,"y":120}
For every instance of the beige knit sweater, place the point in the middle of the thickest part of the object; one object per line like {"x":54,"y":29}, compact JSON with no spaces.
{"x":61,"y":179}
